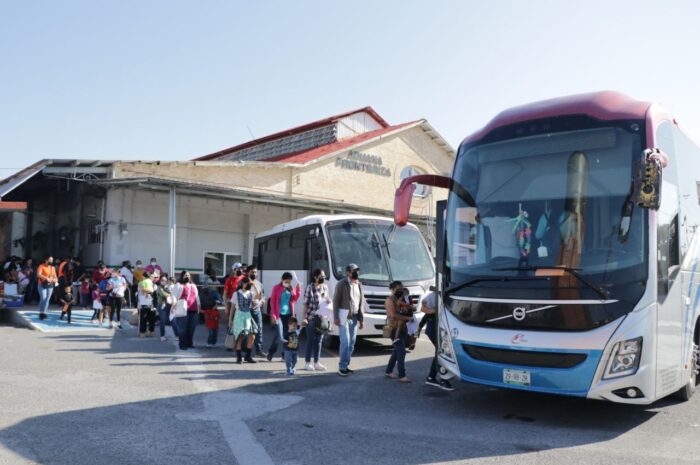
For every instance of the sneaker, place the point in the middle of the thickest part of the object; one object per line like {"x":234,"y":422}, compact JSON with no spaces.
{"x":309,"y":367}
{"x":209,"y":346}
{"x":42,"y":316}
{"x":405,"y":379}
{"x":261,"y":354}
{"x":120,"y":326}
{"x":432,"y":382}
{"x":446,"y":385}
{"x":349,"y":370}
{"x":344,"y":373}
{"x":390,"y":376}
{"x":142,"y":335}
{"x":150,"y":334}
{"x":162,"y":339}
{"x":319,"y":367}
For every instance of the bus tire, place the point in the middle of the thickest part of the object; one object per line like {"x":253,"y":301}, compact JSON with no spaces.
{"x":687,"y":391}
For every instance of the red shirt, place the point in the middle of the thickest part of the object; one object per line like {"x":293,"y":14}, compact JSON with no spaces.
{"x":211,"y":318}
{"x":98,"y":276}
{"x":231,"y":285}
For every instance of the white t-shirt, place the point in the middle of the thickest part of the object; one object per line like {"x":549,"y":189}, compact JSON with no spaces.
{"x":354,"y":297}
{"x":118,"y":286}
{"x":127,"y":275}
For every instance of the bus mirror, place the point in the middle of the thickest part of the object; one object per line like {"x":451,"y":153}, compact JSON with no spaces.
{"x":404,"y":194}
{"x":649,"y":186}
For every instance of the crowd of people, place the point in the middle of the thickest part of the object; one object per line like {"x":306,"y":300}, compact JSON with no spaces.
{"x":164,"y":300}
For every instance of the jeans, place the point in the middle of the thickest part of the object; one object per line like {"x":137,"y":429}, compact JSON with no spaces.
{"x":85,"y":300}
{"x":280,"y":335}
{"x":258,"y":319}
{"x":44,"y":298}
{"x":398,"y":356}
{"x":164,"y":317}
{"x":147,"y":318}
{"x":348,"y":335}
{"x":186,"y":326}
{"x":431,"y":331}
{"x":290,"y":360}
{"x":213,"y":335}
{"x":116,"y":304}
{"x":313,"y":342}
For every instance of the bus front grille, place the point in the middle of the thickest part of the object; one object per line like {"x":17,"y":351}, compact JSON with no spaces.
{"x":524,"y":357}
{"x":375,"y":302}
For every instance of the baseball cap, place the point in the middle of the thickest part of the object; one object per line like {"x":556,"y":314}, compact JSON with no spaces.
{"x":352,"y":267}
{"x":236,"y":266}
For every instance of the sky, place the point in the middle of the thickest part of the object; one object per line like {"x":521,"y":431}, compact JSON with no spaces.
{"x":173,"y":80}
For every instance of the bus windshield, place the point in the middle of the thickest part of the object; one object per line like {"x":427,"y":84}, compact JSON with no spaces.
{"x":557,"y":200}
{"x":381,"y":256}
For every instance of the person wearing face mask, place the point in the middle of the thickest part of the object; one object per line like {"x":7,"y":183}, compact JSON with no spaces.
{"x":231,"y":286}
{"x":398,"y":320}
{"x":154,"y":269}
{"x":282,"y":301}
{"x":256,"y":310}
{"x":138,"y":277}
{"x":316,"y":293}
{"x":46,"y":275}
{"x":349,"y":301}
{"x":186,"y":325}
{"x":243,"y":327}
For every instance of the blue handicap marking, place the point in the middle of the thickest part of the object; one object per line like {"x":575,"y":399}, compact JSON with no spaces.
{"x":80,"y":321}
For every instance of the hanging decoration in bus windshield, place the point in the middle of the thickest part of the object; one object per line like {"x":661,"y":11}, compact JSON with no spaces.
{"x":364,"y":162}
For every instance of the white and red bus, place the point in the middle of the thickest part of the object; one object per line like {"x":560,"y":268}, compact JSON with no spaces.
{"x":569,"y":251}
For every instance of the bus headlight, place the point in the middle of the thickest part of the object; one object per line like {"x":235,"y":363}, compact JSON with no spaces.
{"x":624,"y":359}
{"x":445,"y":347}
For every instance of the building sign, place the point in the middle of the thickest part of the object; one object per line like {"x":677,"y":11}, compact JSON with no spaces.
{"x":364,"y":162}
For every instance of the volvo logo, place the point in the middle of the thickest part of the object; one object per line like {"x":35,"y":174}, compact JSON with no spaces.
{"x":519,"y":313}
{"x":518,"y":338}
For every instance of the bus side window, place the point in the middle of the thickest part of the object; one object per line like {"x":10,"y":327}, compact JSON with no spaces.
{"x":318,"y":254}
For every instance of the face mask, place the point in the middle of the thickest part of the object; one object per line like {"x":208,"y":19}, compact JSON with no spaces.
{"x":154,"y":263}
{"x":239,"y":272}
{"x":321,"y":280}
{"x":186,"y":279}
{"x":287,"y":284}
{"x":253,"y":276}
{"x":248,"y":287}
{"x":355,"y":275}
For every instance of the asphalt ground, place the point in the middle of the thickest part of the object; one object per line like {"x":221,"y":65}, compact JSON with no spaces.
{"x":109,"y":397}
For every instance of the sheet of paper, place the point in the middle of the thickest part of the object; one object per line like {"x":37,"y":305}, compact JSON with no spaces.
{"x":343,"y":315}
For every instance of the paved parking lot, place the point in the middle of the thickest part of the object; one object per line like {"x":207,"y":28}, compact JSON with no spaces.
{"x":110,"y":397}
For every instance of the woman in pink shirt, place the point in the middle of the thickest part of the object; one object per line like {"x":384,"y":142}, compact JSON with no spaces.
{"x":282,"y":301}
{"x":186,"y":325}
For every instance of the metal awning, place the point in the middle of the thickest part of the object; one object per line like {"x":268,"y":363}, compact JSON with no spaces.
{"x":11,"y":183}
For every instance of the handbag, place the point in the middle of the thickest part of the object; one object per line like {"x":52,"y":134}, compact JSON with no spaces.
{"x":388,"y":330}
{"x":134,"y":320}
{"x":321,"y":325}
{"x":180,"y":308}
{"x":230,"y":342}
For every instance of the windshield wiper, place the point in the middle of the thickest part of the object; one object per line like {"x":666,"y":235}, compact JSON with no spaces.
{"x":572,"y":271}
{"x":457,"y":287}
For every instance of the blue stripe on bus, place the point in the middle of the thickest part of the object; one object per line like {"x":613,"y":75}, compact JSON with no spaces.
{"x":574,"y":381}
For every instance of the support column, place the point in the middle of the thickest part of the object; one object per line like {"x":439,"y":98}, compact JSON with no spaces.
{"x":172,"y":227}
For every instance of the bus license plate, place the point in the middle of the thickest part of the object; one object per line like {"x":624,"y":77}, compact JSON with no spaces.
{"x":517,"y":377}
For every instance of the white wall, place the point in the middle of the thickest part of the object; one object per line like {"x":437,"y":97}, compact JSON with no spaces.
{"x":355,"y":124}
{"x":202,"y":225}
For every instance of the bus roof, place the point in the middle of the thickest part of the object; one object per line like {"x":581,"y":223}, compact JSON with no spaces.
{"x":318,"y":219}
{"x":605,"y":105}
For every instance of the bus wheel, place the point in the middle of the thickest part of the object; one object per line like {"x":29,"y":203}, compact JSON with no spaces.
{"x":687,"y":391}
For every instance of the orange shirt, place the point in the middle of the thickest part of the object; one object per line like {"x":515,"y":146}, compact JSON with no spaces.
{"x":46,"y":273}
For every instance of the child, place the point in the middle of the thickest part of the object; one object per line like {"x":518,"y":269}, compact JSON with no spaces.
{"x":96,"y":304}
{"x":66,"y":302}
{"x":85,"y":293}
{"x":292,"y":346}
{"x":211,"y":320}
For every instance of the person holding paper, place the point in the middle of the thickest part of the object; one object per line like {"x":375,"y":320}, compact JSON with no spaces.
{"x":348,"y":315}
{"x":316,"y":293}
